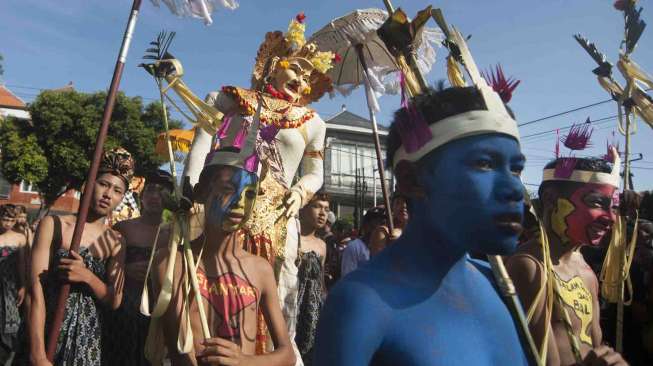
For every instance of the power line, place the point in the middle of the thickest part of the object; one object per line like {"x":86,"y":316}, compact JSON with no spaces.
{"x":604,"y":119}
{"x":570,"y":111}
{"x":564,"y":112}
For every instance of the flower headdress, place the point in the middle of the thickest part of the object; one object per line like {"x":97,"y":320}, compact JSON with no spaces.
{"x":279,"y":49}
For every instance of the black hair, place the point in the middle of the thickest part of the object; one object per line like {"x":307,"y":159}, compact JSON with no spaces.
{"x":646,"y":206}
{"x":8,"y":210}
{"x":321,"y":195}
{"x":436,"y":104}
{"x":587,"y":164}
{"x":161,"y":177}
{"x":398,"y":195}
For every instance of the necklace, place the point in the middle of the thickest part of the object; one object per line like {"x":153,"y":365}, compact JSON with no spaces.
{"x":278,"y":112}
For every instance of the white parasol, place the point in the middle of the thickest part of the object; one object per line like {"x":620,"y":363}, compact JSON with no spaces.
{"x":366,"y":60}
{"x":359,"y":27}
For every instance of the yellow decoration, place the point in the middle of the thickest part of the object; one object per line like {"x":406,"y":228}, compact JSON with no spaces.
{"x":322,"y":61}
{"x":284,"y":64}
{"x":295,"y":33}
{"x":180,"y":140}
{"x":455,"y":76}
{"x":575,"y":294}
{"x":616,"y":266}
{"x":558,"y":223}
{"x":307,"y":90}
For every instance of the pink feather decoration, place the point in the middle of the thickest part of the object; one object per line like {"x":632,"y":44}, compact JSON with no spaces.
{"x":226,"y":122}
{"x":414,"y":131}
{"x":251,"y":163}
{"x":565,"y":167}
{"x":500,"y":84}
{"x":579,"y":136}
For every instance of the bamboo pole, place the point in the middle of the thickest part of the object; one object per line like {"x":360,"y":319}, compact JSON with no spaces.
{"x":82,"y":215}
{"x":188,"y":252}
{"x":622,"y":259}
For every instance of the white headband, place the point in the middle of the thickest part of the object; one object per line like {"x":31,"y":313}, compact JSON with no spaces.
{"x":472,"y":123}
{"x":584,"y":176}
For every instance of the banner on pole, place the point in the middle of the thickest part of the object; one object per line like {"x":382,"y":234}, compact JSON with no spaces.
{"x":196,"y":8}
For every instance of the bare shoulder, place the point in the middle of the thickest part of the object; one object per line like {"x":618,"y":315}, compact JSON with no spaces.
{"x":67,"y":219}
{"x":525,"y":265}
{"x":258,"y":265}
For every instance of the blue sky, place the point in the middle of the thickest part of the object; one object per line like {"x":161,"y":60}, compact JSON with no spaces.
{"x":46,"y":44}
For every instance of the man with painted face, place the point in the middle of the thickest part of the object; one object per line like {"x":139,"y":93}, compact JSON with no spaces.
{"x":423,"y":300}
{"x":233,"y":283}
{"x":576,"y":209}
{"x":289,"y":74}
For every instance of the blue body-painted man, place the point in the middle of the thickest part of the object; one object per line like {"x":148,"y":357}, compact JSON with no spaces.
{"x":423,"y":300}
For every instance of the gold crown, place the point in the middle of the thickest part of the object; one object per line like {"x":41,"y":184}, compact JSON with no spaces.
{"x":277,"y":49}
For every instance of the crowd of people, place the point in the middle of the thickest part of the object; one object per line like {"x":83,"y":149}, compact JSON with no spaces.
{"x":251,"y":267}
{"x":104,"y":324}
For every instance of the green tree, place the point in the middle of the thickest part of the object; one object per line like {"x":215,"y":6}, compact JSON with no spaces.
{"x":2,"y":71}
{"x":54,"y":150}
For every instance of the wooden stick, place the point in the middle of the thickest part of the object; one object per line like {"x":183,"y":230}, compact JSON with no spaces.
{"x":377,"y":144}
{"x":82,"y":215}
{"x":509,"y":294}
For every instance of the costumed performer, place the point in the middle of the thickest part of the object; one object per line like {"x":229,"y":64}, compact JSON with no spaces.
{"x":423,"y":300}
{"x":234,"y":284}
{"x":96,"y":272}
{"x":553,"y":281}
{"x":288,"y":75}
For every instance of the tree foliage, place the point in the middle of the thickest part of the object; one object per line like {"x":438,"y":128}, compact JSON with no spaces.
{"x":54,"y":150}
{"x":2,"y":71}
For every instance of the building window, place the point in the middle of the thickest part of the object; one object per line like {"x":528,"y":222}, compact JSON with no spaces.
{"x":351,"y":160}
{"x":27,"y":187}
{"x":5,"y":187}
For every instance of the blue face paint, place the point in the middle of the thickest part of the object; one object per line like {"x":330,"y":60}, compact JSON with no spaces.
{"x":232,"y":199}
{"x":474,"y":196}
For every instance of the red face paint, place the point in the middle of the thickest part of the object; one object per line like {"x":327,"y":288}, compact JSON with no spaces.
{"x":592,"y":217}
{"x":228,"y":294}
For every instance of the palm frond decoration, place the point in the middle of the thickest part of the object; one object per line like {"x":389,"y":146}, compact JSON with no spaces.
{"x":605,"y":67}
{"x":158,"y":52}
